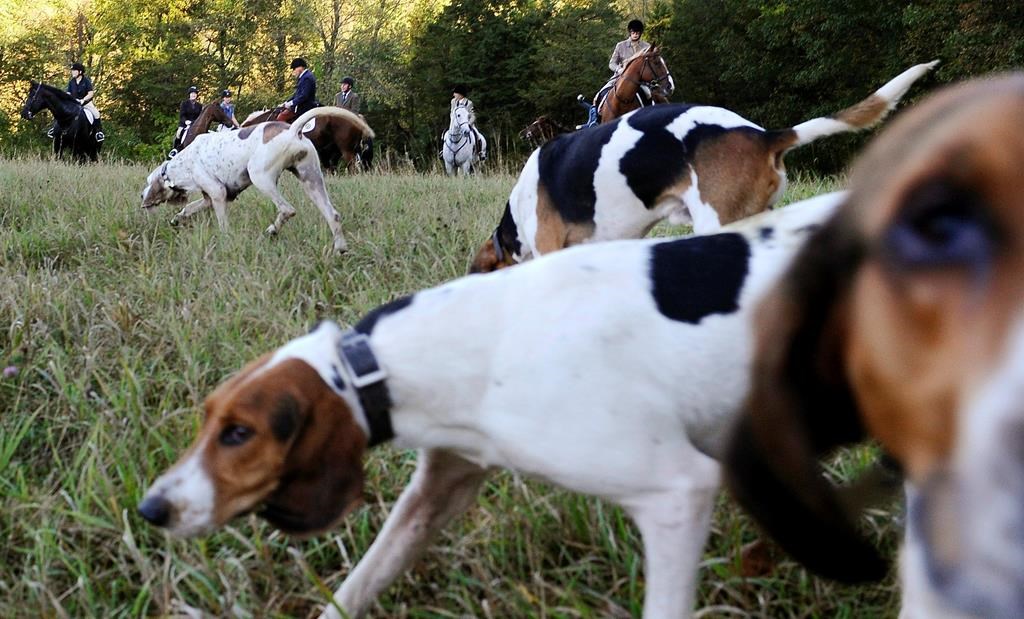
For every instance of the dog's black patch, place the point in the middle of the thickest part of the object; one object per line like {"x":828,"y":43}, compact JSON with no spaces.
{"x":566,"y":166}
{"x":366,"y":325}
{"x":766,"y":233}
{"x":700,"y":276}
{"x":285,"y":418}
{"x":508,"y":233}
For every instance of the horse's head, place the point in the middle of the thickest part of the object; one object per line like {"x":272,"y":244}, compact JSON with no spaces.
{"x":459,"y":124}
{"x":34,"y":101}
{"x":654,"y":72}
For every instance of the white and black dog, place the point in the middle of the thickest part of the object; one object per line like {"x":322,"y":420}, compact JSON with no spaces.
{"x":222,"y":165}
{"x":689,"y":163}
{"x":611,"y":369}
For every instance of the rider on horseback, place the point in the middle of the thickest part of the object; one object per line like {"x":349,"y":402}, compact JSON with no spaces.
{"x":304,"y":98}
{"x":459,"y":99}
{"x":187,"y":114}
{"x":80,"y":87}
{"x":229,"y":107}
{"x":624,"y":50}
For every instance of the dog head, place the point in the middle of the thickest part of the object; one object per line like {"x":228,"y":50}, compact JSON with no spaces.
{"x":159,"y":189}
{"x":502,"y":250}
{"x":903,"y":320}
{"x":276,"y":438}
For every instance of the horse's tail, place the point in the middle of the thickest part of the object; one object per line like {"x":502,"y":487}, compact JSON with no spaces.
{"x":336,"y":112}
{"x":859,"y":116}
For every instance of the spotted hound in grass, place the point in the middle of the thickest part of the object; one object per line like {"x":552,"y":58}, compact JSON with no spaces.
{"x":902,"y":320}
{"x":690,"y":164}
{"x":627,"y":396}
{"x":222,"y":165}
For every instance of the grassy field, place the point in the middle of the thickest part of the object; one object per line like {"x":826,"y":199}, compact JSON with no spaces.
{"x":117,"y":325}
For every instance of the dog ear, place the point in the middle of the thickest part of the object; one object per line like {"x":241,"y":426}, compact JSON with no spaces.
{"x":486,"y":259}
{"x":800,"y":408}
{"x":323,"y":471}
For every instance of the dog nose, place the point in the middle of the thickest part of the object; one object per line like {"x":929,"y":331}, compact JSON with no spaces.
{"x":156,"y":510}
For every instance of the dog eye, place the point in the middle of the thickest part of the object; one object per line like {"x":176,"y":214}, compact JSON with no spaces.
{"x":235,"y":435}
{"x":942,"y":225}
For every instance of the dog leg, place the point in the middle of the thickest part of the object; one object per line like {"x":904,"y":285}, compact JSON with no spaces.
{"x":191,"y":209}
{"x":443,"y":486}
{"x":285,"y":211}
{"x":674,"y":527}
{"x":313,"y":184}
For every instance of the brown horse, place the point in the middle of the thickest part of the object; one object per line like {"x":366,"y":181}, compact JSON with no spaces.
{"x":211,"y":112}
{"x":643,"y":75}
{"x":542,"y":130}
{"x":334,"y":137}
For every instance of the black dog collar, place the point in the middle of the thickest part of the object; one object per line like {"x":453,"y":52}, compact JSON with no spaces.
{"x":367,"y":378}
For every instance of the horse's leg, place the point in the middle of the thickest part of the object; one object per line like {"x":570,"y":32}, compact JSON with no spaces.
{"x":312,"y":179}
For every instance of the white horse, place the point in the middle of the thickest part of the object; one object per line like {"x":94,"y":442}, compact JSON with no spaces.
{"x":461,"y":143}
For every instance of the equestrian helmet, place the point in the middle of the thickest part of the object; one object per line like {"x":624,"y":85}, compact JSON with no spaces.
{"x":225,"y":93}
{"x":348,"y":80}
{"x":77,"y":66}
{"x":460,"y":89}
{"x":299,"y":62}
{"x":635,"y":25}
{"x":192,"y":89}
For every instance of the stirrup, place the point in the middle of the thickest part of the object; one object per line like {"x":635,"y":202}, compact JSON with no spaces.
{"x":99,"y":136}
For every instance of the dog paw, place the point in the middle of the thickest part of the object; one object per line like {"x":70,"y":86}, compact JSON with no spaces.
{"x":271,"y":230}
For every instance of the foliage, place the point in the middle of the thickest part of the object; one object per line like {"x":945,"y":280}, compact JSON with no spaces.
{"x":777,"y":62}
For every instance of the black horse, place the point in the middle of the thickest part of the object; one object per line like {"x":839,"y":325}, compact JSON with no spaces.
{"x":73,"y":131}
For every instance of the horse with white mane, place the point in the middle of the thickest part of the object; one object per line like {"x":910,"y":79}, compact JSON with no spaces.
{"x":462,"y":144}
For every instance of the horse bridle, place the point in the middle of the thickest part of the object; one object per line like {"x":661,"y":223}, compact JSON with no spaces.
{"x":31,"y":100}
{"x":657,"y":79}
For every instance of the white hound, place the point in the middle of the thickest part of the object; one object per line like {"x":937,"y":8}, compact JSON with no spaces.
{"x":222,"y":165}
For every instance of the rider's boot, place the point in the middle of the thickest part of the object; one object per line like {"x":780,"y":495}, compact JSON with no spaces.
{"x":99,"y":131}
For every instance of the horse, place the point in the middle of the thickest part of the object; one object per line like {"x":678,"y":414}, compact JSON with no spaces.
{"x":644,"y":80}
{"x":461,"y":144}
{"x":335,"y":138}
{"x":74,"y":129}
{"x":211,"y":112}
{"x":542,"y":130}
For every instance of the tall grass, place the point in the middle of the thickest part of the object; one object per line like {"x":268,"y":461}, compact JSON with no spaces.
{"x":117,"y":325}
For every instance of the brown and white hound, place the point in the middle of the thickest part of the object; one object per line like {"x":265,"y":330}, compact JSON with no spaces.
{"x":615,"y":372}
{"x":690,"y":164}
{"x":902,"y":320}
{"x":222,"y":165}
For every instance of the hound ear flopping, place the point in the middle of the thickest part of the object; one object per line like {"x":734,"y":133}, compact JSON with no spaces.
{"x":800,"y":407}
{"x":323,"y":472}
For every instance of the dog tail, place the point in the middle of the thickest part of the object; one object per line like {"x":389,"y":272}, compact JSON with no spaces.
{"x":859,"y":116}
{"x":337,"y":112}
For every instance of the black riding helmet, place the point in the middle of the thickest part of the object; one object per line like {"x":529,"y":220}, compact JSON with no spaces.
{"x":225,"y":93}
{"x":348,"y":80}
{"x":635,"y":25}
{"x":77,"y":66}
{"x":192,"y":89}
{"x":299,"y":62}
{"x":461,"y":89}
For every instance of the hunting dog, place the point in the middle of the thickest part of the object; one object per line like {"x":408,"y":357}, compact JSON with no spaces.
{"x":627,"y":396}
{"x":902,"y":320}
{"x":691,"y":164}
{"x":222,"y":165}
